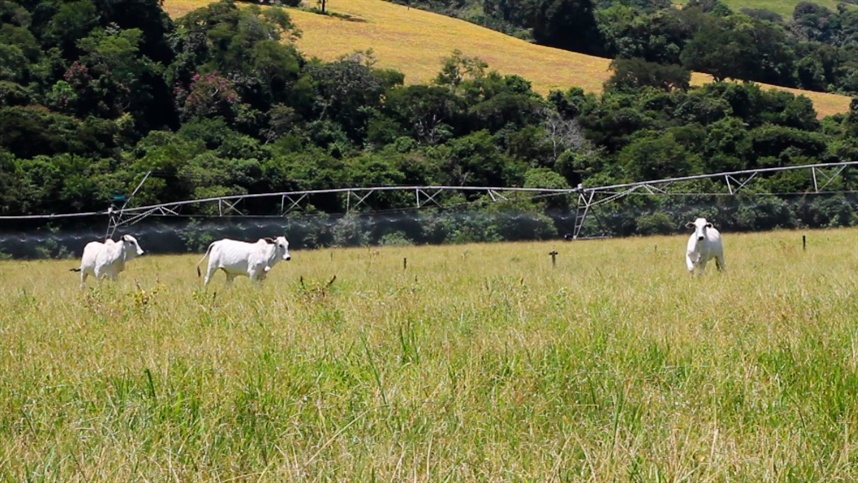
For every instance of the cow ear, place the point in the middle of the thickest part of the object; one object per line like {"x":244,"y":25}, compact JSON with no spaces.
{"x":689,"y":225}
{"x":269,"y":240}
{"x":709,"y":225}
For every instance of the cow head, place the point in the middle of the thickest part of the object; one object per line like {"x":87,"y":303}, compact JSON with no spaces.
{"x":281,"y":245}
{"x":132,"y":248}
{"x":700,"y":226}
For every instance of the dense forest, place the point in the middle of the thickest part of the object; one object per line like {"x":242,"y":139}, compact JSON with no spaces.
{"x":95,"y":93}
{"x":816,"y":49}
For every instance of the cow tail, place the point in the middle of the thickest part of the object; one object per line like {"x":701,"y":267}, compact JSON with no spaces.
{"x":74,"y":269}
{"x":208,"y":250}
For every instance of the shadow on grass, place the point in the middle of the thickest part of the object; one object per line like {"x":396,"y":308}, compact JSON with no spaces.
{"x":341,"y":16}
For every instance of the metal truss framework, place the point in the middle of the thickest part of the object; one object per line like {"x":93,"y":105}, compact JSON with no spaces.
{"x":822,"y":175}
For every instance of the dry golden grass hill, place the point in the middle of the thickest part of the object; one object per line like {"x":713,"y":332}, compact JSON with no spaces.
{"x":415,"y":42}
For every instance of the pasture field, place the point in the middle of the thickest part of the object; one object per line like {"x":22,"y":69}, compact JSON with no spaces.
{"x":476,"y":362}
{"x":416,"y":42}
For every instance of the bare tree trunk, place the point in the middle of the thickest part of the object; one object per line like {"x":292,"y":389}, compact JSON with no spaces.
{"x":563,"y":133}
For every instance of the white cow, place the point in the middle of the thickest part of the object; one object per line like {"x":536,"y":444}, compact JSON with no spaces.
{"x":704,"y":245}
{"x":238,"y":258}
{"x":106,"y":260}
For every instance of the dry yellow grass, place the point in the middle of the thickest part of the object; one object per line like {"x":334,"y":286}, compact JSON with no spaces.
{"x":476,"y":363}
{"x":415,"y":42}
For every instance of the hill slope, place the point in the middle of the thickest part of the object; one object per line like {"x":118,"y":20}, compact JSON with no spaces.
{"x":781,"y":7}
{"x":415,"y":42}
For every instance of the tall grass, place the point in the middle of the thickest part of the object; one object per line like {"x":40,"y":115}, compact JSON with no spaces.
{"x":416,"y":42}
{"x":477,"y":362}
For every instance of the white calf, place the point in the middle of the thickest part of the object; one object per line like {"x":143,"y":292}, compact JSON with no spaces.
{"x":106,"y":260}
{"x":238,"y":258}
{"x":704,"y":245}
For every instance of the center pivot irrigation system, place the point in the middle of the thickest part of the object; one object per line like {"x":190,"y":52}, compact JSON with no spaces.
{"x":587,"y":197}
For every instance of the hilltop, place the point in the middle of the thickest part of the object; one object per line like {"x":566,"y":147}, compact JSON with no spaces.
{"x":783,"y":8}
{"x":415,"y":42}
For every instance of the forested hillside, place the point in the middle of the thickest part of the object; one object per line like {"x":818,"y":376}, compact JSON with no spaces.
{"x":813,"y":47}
{"x":95,"y":93}
{"x":416,"y":41}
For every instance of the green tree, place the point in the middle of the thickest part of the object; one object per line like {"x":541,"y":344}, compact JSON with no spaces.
{"x":458,"y":68}
{"x":431,"y":114}
{"x":71,"y":22}
{"x":31,"y":131}
{"x":547,"y":178}
{"x":506,"y":110}
{"x":611,"y":126}
{"x":278,"y":66}
{"x":347,"y":92}
{"x":739,"y":47}
{"x":727,"y":146}
{"x":14,"y":94}
{"x":700,"y":107}
{"x":13,"y":64}
{"x":11,"y":187}
{"x":630,"y":74}
{"x":475,"y":160}
{"x":815,"y":22}
{"x":242,"y":45}
{"x":655,"y":36}
{"x":112,"y":77}
{"x":716,"y":50}
{"x":653,"y":156}
{"x":567,"y":24}
{"x":771,"y":141}
{"x":377,"y":169}
{"x":147,"y":16}
{"x":19,"y":48}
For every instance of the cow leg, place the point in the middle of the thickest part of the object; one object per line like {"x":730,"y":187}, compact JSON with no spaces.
{"x":719,"y":262}
{"x":83,"y":274}
{"x":210,"y":271}
{"x":702,"y":265}
{"x":689,"y":264}
{"x":106,"y":273}
{"x":98,"y":275}
{"x":257,"y":273}
{"x":229,"y":278}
